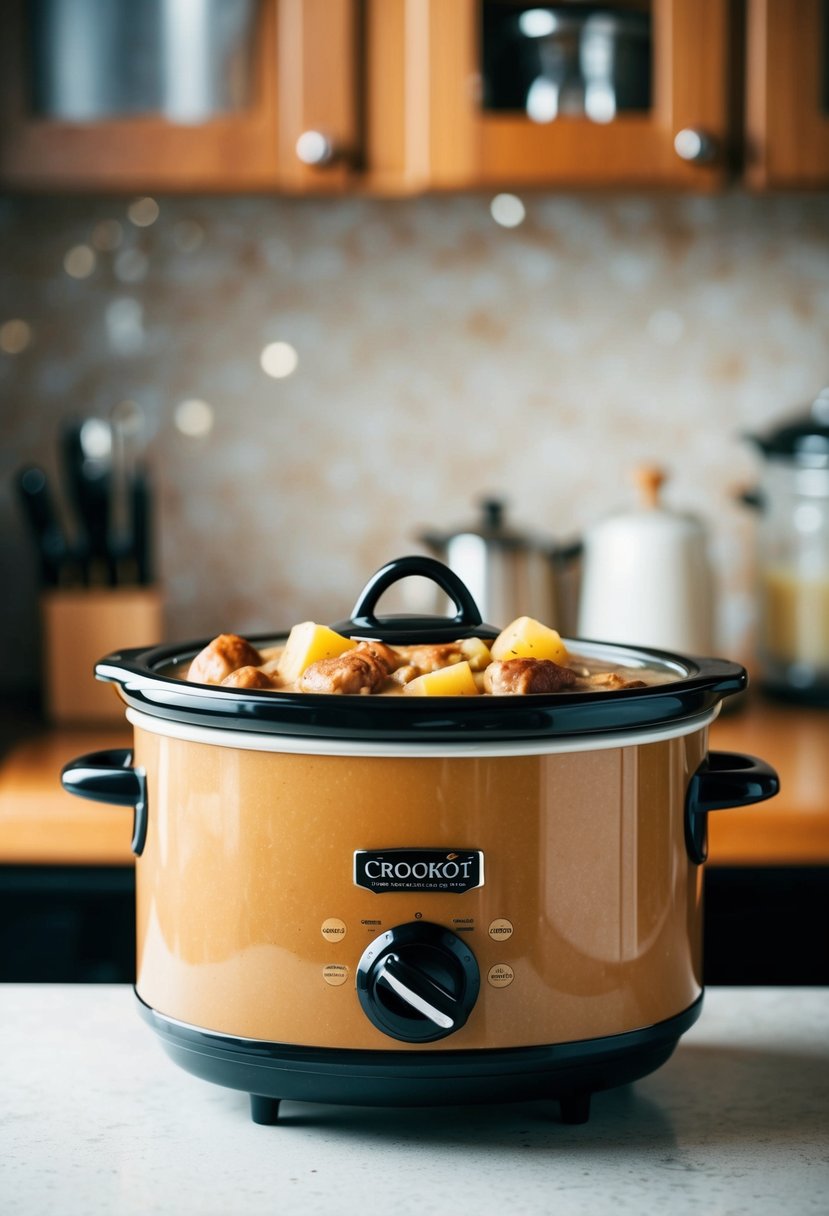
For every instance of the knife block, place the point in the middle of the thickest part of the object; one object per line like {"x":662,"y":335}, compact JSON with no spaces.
{"x":80,"y":626}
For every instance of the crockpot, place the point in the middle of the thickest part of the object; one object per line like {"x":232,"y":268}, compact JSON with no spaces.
{"x":420,"y":900}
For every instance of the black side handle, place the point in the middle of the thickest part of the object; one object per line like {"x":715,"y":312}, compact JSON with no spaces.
{"x":406,"y":629}
{"x":109,"y":777}
{"x":723,"y":780}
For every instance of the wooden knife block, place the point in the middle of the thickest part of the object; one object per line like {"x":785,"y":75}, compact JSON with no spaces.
{"x":80,"y":626}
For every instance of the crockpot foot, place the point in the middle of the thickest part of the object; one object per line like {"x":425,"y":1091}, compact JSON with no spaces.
{"x":575,"y":1108}
{"x":264,"y":1110}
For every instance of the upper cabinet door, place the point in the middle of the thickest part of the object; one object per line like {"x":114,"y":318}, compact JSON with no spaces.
{"x":787,"y":93}
{"x":499,"y":92}
{"x":164,"y":95}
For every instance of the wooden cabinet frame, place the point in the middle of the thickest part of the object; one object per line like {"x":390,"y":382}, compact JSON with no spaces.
{"x":787,"y":125}
{"x":304,"y":78}
{"x":448,"y":141}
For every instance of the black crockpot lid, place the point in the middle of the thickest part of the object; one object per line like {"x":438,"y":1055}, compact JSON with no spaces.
{"x":697,"y":685}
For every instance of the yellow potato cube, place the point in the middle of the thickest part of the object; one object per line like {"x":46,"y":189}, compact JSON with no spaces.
{"x":527,"y":638}
{"x":477,"y":653}
{"x":308,"y":643}
{"x":456,"y":680}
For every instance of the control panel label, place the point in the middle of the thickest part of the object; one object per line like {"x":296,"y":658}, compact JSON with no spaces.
{"x":451,"y":871}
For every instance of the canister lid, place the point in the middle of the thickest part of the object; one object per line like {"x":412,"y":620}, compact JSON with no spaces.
{"x":803,"y":439}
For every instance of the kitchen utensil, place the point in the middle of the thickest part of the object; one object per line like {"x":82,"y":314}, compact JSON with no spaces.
{"x":793,"y":555}
{"x":141,"y":506}
{"x":646,"y":577}
{"x":418,"y":900}
{"x":557,"y":61}
{"x":86,"y":452}
{"x":36,"y":499}
{"x":129,"y":538}
{"x":508,"y":572}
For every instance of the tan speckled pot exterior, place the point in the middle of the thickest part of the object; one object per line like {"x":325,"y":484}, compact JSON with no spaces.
{"x":249,"y":853}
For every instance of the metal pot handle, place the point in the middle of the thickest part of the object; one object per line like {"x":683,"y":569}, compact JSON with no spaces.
{"x":723,"y":780}
{"x":110,"y":777}
{"x":405,"y":629}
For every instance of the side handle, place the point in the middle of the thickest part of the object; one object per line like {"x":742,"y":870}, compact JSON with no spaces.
{"x":110,"y":777}
{"x":723,"y":780}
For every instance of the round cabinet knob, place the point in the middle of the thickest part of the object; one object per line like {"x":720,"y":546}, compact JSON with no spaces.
{"x":694,"y":145}
{"x":314,"y":148}
{"x":418,"y":982}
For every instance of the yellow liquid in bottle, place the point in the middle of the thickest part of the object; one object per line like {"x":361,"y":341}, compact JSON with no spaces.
{"x":795,"y":620}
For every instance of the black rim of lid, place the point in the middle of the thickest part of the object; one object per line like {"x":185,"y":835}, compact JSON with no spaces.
{"x":698,"y":684}
{"x":145,"y":685}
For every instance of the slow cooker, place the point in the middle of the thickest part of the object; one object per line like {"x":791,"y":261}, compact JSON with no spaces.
{"x":420,"y":900}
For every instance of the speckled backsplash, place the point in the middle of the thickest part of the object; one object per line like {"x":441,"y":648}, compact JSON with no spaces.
{"x":323,"y":378}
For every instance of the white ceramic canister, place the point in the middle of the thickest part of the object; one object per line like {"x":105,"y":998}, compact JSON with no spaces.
{"x":646,"y":576}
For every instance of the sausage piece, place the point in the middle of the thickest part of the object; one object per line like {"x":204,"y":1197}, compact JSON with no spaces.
{"x":247,"y":677}
{"x":361,"y":670}
{"x":431,"y":656}
{"x":521,"y":676}
{"x":223,"y":655}
{"x":390,"y":659}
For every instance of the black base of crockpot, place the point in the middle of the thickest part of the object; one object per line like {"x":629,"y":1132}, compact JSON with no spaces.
{"x":270,"y":1072}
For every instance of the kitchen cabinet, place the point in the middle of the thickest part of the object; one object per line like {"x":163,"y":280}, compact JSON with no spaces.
{"x":787,"y":93}
{"x":391,"y":97}
{"x":457,"y":113}
{"x":301,"y":82}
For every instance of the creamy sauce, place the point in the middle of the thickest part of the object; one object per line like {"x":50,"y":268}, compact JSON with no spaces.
{"x":587,"y":669}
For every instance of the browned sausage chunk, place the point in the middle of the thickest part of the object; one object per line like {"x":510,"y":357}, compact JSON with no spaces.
{"x":431,"y":656}
{"x":247,"y":677}
{"x":356,"y":671}
{"x":224,"y":654}
{"x":390,"y":659}
{"x":527,"y":675}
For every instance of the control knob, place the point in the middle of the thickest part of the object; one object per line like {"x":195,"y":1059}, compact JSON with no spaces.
{"x":418,"y":982}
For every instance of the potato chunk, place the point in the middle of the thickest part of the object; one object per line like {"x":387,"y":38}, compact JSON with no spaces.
{"x":527,"y":638}
{"x":308,"y":643}
{"x":477,"y":653}
{"x":456,"y":680}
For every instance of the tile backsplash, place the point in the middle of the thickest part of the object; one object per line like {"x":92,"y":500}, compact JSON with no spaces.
{"x":321,"y":379}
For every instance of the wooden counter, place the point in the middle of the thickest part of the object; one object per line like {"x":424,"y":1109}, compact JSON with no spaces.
{"x":793,"y":827}
{"x":42,"y":825}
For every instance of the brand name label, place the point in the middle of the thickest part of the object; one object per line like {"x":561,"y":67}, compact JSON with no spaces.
{"x":446,"y":870}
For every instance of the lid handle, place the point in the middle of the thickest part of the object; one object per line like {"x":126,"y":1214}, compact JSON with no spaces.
{"x":395,"y":628}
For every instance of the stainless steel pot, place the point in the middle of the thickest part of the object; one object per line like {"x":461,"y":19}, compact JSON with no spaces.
{"x":511,"y":573}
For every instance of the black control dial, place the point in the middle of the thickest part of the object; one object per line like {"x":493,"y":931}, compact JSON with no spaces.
{"x":418,"y":982}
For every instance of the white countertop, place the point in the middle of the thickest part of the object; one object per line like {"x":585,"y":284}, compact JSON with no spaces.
{"x":96,"y":1121}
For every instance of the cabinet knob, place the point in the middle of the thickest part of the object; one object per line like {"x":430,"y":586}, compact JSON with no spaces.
{"x":315,"y":148}
{"x":694,"y":145}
